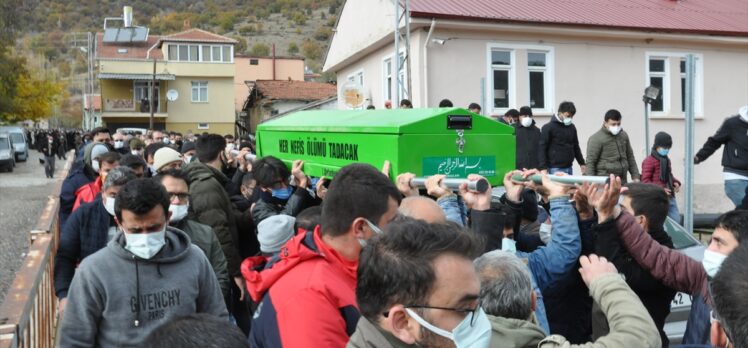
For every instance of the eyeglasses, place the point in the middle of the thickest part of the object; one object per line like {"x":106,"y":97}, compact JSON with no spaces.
{"x":181,"y":196}
{"x":464,"y":311}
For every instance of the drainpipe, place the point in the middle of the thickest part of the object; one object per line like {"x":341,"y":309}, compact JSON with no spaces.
{"x":273,"y":62}
{"x":425,"y":102}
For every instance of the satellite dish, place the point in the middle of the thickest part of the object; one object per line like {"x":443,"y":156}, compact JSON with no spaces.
{"x":172,"y":95}
{"x":353,"y":94}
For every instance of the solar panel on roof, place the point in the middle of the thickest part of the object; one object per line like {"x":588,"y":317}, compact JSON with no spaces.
{"x":110,"y":35}
{"x":140,"y":34}
{"x":124,"y":35}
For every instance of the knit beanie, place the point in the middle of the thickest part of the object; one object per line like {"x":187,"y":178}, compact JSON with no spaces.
{"x":663,"y":139}
{"x":274,"y":232}
{"x":164,"y":156}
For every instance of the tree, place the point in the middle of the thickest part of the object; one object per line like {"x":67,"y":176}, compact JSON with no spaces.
{"x":260,"y":49}
{"x":247,"y":29}
{"x":293,"y":48}
{"x":311,"y":50}
{"x":34,"y":100}
{"x":323,"y":33}
{"x":241,"y":45}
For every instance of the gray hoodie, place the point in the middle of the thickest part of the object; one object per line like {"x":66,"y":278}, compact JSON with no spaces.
{"x":117,"y":299}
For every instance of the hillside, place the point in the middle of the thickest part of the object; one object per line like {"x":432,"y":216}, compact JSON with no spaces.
{"x":297,"y":28}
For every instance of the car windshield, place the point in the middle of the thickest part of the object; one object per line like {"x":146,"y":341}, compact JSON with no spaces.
{"x":16,"y":138}
{"x":4,"y":144}
{"x":681,"y":238}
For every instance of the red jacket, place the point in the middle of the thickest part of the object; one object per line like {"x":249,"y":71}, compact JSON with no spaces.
{"x":651,"y":172}
{"x":307,"y":296}
{"x":87,"y":193}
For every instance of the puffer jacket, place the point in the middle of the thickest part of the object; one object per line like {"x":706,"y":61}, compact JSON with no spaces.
{"x":675,"y":270}
{"x":210,"y":205}
{"x":630,"y":324}
{"x":508,"y":332}
{"x":203,"y":236}
{"x":369,"y":335}
{"x":611,"y":154}
{"x":559,"y":145}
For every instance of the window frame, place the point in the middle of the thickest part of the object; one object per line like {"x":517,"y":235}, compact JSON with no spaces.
{"x":387,"y":90}
{"x":198,"y":87}
{"x":667,"y":95}
{"x":548,"y":76}
{"x":201,"y":54}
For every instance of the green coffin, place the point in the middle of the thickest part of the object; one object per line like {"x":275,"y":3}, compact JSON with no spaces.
{"x":453,"y":142}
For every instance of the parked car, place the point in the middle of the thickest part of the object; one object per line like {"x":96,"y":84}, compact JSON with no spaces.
{"x":7,"y":152}
{"x":680,"y":308}
{"x":18,"y":138}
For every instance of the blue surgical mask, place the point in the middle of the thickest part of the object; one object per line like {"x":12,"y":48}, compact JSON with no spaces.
{"x":663,"y":152}
{"x":145,"y":245}
{"x":477,"y":335}
{"x":509,"y":245}
{"x":283,"y":193}
{"x":712,"y":262}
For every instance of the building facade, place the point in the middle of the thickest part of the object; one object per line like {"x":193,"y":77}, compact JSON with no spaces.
{"x":194,"y":81}
{"x":600,"y":56}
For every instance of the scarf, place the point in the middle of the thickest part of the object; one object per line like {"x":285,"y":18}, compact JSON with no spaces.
{"x":665,"y":170}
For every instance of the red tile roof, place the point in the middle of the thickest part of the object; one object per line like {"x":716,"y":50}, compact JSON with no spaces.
{"x":295,"y":90}
{"x":127,"y":51}
{"x":715,"y":17}
{"x":197,"y":35}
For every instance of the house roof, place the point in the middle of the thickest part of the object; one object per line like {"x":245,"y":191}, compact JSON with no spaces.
{"x":295,"y":90}
{"x":127,"y":50}
{"x":715,"y":17}
{"x":197,"y":35}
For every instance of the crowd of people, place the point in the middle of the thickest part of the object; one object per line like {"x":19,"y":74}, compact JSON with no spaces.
{"x":192,"y":241}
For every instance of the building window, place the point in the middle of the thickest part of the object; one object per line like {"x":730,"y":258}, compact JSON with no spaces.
{"x":201,"y":53}
{"x":536,"y":66}
{"x":387,"y":79}
{"x":501,"y":66}
{"x":199,"y":91}
{"x":657,"y":77}
{"x":203,"y":126}
{"x":142,"y":94}
{"x":403,"y":77}
{"x":254,"y":62}
{"x":659,"y":67}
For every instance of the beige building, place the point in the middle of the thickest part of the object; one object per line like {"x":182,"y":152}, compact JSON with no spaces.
{"x":263,"y":68}
{"x":194,"y":73}
{"x":513,"y":53}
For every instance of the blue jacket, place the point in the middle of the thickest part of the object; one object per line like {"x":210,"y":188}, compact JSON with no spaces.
{"x":454,"y":208}
{"x":85,"y":233}
{"x":551,"y":263}
{"x":79,"y":176}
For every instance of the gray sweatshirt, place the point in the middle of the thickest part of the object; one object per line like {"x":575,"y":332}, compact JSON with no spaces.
{"x":117,"y":299}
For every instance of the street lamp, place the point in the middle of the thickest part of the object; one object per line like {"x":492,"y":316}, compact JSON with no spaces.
{"x":651,"y":94}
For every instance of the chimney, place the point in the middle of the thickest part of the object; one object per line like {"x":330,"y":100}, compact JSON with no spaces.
{"x":127,"y":16}
{"x":186,"y":25}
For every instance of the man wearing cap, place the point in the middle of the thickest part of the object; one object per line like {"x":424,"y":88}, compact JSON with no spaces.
{"x":188,"y":151}
{"x":136,"y":147}
{"x":166,"y":159}
{"x":274,"y":232}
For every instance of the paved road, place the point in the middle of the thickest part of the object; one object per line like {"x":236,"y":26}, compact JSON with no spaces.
{"x":23,"y":195}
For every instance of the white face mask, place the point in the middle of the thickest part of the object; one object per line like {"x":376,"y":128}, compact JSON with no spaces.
{"x":712,"y":261}
{"x":545,"y":233}
{"x":187,"y":159}
{"x":614,"y":130}
{"x":136,"y":152}
{"x":568,"y":121}
{"x":166,"y":140}
{"x":109,"y":205}
{"x":145,"y":245}
{"x":509,"y":245}
{"x":230,"y":147}
{"x":464,"y":335}
{"x":118,"y":144}
{"x":178,"y":212}
{"x":526,"y":122}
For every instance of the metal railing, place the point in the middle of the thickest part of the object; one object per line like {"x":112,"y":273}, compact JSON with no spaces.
{"x":28,"y":316}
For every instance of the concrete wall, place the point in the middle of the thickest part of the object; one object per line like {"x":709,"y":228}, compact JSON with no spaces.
{"x":284,"y":69}
{"x":212,"y":69}
{"x":596,"y":72}
{"x":218,"y":109}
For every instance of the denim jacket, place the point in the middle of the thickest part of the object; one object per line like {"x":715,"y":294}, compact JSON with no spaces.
{"x":455,"y":209}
